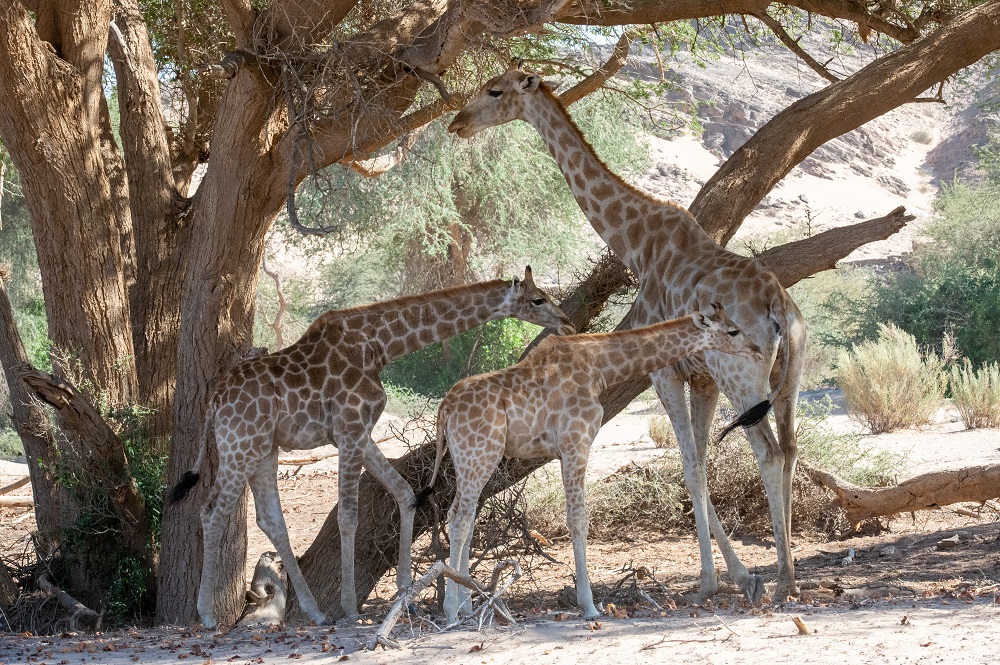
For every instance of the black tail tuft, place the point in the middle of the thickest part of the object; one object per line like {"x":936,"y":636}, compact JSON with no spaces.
{"x":749,"y":418}
{"x":181,"y":489}
{"x":420,"y":498}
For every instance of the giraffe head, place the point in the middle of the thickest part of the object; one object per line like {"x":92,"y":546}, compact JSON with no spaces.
{"x":527,"y":302}
{"x":725,"y":335}
{"x":499,"y":101}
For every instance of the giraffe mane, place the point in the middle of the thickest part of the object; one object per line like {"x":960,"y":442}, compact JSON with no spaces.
{"x":406,"y":301}
{"x":547,"y":90}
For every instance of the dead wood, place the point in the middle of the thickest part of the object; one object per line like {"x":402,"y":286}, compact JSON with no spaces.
{"x":16,"y":501}
{"x":15,"y":485}
{"x":81,"y":617}
{"x":928,"y":490}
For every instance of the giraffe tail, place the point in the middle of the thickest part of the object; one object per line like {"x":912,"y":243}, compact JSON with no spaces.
{"x":421,"y":497}
{"x":191,"y":477}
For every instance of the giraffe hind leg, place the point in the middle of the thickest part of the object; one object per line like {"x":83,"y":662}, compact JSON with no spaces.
{"x":215,"y":514}
{"x":263,"y":484}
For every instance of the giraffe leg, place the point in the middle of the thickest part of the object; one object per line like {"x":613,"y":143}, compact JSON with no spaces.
{"x":784,"y":418}
{"x":219,"y":506}
{"x":704,"y":399}
{"x":771,"y":461}
{"x":352,"y":457}
{"x":379,"y":466}
{"x":462,"y":519}
{"x":263,"y":484}
{"x":574,"y":471}
{"x":670,"y":388}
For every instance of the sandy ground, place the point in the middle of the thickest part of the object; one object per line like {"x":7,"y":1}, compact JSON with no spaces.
{"x":913,"y":603}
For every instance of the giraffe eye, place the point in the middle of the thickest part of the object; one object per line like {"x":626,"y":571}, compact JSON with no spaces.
{"x":495,"y":93}
{"x":734,"y":333}
{"x":538,"y":301}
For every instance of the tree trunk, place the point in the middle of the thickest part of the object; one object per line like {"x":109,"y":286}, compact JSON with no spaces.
{"x":928,"y":490}
{"x":32,"y":425}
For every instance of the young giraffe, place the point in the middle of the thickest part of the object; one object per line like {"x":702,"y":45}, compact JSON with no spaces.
{"x":680,"y":268}
{"x":324,"y":389}
{"x":548,"y":405}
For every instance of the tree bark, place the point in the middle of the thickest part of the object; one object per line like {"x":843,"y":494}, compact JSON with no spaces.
{"x":32,"y":425}
{"x":928,"y":490}
{"x":104,"y":458}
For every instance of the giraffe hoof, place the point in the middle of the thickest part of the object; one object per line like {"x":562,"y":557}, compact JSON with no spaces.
{"x":754,"y":589}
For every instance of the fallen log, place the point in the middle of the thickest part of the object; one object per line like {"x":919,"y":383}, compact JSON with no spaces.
{"x":81,"y":617}
{"x":928,"y":490}
{"x":15,"y":485}
{"x":17,"y":501}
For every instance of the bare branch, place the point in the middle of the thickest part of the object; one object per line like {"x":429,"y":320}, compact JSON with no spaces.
{"x":617,"y":60}
{"x":282,"y":304}
{"x":793,"y":46}
{"x":376,"y":166}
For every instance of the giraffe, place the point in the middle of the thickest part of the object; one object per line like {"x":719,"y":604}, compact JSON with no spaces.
{"x":548,"y":405}
{"x":324,"y":389}
{"x":680,"y":268}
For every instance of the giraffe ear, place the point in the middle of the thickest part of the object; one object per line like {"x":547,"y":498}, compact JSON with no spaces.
{"x":701,"y":320}
{"x":530,"y":83}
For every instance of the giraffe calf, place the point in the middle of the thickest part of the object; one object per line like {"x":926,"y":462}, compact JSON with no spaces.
{"x":548,"y":406}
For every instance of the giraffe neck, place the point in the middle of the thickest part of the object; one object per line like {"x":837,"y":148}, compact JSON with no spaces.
{"x":628,"y":354}
{"x":404,"y":325}
{"x":630,"y":221}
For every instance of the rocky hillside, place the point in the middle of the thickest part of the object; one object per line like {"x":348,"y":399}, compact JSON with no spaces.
{"x":898,"y":159}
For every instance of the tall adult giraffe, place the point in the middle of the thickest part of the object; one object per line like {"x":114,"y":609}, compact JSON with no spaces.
{"x":680,"y":270}
{"x":325,"y":389}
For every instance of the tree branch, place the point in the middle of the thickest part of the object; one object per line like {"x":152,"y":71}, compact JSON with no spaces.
{"x":892,"y":80}
{"x":106,"y":460}
{"x":928,"y":490}
{"x":617,"y":60}
{"x":793,"y":46}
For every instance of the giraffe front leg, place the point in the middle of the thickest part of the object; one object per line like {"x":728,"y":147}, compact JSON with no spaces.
{"x":694,"y":449}
{"x":574,"y":471}
{"x":379,"y":466}
{"x":349,"y":472}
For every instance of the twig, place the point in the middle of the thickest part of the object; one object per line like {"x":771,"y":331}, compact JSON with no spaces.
{"x":649,"y":599}
{"x":793,"y":46}
{"x":382,"y":634}
{"x":728,"y":627}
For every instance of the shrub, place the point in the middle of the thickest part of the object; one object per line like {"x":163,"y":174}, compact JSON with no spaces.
{"x":921,"y":136}
{"x":431,"y":371}
{"x":888,"y":384}
{"x":661,"y":431}
{"x":976,"y":394}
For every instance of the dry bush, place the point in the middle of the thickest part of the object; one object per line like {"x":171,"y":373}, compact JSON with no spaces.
{"x":662,"y":432}
{"x":653,"y":497}
{"x":976,"y":394}
{"x":888,"y":384}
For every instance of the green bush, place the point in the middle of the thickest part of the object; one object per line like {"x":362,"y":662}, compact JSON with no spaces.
{"x":431,"y":371}
{"x":888,"y":384}
{"x":976,"y":394}
{"x":10,"y":444}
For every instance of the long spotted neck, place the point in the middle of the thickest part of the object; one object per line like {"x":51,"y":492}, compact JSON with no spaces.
{"x":628,"y":354}
{"x":408,"y":324}
{"x":628,"y":220}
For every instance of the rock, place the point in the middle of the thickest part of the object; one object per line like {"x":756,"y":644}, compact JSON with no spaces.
{"x":949,"y":543}
{"x":887,"y":551}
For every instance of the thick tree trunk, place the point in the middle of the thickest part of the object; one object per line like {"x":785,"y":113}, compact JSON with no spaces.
{"x":928,"y":490}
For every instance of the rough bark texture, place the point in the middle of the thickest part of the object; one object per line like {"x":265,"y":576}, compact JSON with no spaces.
{"x":104,"y":458}
{"x":32,"y":425}
{"x":929,"y":490}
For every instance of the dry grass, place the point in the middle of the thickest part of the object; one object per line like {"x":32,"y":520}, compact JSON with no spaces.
{"x":888,"y":384}
{"x":662,"y":432}
{"x":976,"y":394}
